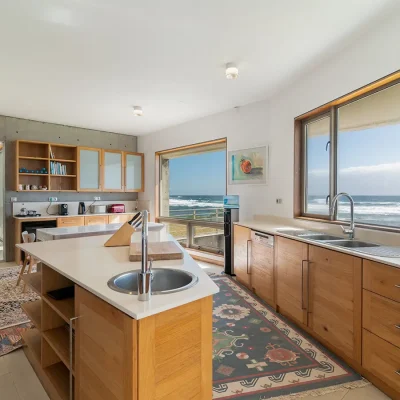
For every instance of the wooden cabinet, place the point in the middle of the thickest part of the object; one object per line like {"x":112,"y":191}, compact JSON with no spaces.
{"x":89,"y":169}
{"x":291,"y":283}
{"x":334,"y":304}
{"x":262,"y":266}
{"x":119,"y":218}
{"x":242,"y":241}
{"x":70,"y":221}
{"x":382,"y":359}
{"x":96,"y":220}
{"x":133,"y":171}
{"x":112,"y":168}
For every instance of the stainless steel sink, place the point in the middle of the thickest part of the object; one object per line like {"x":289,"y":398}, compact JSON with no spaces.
{"x":352,"y":244}
{"x":165,"y":281}
{"x":321,"y":237}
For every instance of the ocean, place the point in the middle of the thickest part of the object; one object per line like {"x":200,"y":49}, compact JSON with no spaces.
{"x":376,"y":210}
{"x":207,"y":207}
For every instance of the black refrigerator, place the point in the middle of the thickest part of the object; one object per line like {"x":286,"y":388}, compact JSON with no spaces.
{"x":231,"y":215}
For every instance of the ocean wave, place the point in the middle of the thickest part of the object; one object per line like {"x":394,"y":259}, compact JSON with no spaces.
{"x":374,"y":209}
{"x":193,"y":203}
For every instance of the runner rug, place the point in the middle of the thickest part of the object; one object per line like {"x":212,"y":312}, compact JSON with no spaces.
{"x":258,"y":354}
{"x":13,"y":320}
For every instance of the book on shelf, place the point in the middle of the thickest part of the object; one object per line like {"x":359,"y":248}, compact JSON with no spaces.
{"x":51,"y":152}
{"x":57,"y":168}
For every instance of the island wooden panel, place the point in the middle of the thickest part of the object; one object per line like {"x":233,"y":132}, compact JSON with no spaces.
{"x":175,"y":353}
{"x":105,"y":350}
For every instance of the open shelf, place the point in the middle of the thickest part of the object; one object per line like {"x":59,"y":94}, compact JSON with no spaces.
{"x":64,"y":308}
{"x":31,"y":174}
{"x":64,"y":176}
{"x":33,"y":150}
{"x":58,"y":339}
{"x":33,"y":340}
{"x":33,"y":310}
{"x":63,"y":160}
{"x":34,"y":158}
{"x":34,"y":280}
{"x":58,"y":375}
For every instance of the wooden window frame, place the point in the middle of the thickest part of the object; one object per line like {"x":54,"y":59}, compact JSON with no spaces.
{"x":300,"y":150}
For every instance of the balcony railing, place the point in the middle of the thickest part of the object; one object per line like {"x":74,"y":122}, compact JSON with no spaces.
{"x":200,"y":229}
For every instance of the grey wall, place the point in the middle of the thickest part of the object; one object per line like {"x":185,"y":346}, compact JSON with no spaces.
{"x":12,"y":129}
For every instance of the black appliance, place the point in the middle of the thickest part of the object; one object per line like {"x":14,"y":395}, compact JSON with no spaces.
{"x":63,"y":209}
{"x":33,"y":226}
{"x":231,"y":215}
{"x":81,"y":208}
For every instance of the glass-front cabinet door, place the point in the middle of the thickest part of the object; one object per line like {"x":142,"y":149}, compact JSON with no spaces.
{"x":134,"y":172}
{"x":112,"y":171}
{"x":89,"y":168}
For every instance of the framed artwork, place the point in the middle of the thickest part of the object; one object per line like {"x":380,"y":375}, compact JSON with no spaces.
{"x":248,"y":166}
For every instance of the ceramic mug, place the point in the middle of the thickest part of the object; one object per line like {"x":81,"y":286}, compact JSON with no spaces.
{"x":27,"y":187}
{"x":20,"y":187}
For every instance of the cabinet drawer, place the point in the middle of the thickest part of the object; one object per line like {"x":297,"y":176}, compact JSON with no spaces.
{"x":70,"y":221}
{"x":382,"y":359}
{"x":382,"y":317}
{"x":382,"y":279}
{"x":96,"y":220}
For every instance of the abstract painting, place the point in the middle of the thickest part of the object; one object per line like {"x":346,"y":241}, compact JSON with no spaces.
{"x":248,"y":166}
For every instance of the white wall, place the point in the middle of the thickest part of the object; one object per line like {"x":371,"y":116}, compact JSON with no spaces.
{"x":2,"y":177}
{"x":371,"y":57}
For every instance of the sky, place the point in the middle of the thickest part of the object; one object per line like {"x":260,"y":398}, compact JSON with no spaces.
{"x":198,"y":174}
{"x":368,"y":162}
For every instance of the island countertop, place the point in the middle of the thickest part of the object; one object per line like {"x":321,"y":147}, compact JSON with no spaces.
{"x":89,"y":264}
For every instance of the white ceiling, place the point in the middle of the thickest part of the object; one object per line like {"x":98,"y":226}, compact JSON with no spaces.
{"x":87,"y":62}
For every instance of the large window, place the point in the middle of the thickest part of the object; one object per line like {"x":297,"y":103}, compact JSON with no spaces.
{"x":192,"y":183}
{"x":354,"y":147}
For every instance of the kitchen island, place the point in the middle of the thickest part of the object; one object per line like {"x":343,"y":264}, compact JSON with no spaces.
{"x":121,"y":348}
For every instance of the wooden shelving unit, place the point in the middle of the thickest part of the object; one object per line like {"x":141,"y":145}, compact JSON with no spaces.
{"x":32,"y":157}
{"x":47,"y":345}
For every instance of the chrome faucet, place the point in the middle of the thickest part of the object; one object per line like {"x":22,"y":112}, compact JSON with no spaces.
{"x":351,"y":230}
{"x":145,"y":276}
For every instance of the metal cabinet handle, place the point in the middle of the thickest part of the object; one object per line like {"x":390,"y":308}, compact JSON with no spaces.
{"x":249,"y":241}
{"x":398,"y":286}
{"x":71,"y":357}
{"x":397,"y":372}
{"x":302,"y":284}
{"x":397,"y":326}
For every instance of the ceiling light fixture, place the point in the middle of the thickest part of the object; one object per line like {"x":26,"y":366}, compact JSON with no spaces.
{"x":231,"y":71}
{"x":137,"y":111}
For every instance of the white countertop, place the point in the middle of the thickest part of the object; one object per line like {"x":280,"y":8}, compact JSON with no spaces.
{"x":272,"y":226}
{"x":89,"y":264}
{"x":70,"y":232}
{"x":74,"y":215}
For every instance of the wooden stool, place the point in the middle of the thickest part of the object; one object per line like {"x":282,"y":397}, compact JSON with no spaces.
{"x":27,"y":238}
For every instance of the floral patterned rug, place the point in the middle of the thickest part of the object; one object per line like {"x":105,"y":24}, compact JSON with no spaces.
{"x":258,"y":354}
{"x":13,"y":320}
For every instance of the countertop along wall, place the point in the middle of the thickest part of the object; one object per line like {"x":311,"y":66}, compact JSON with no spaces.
{"x":369,"y":57}
{"x":12,"y":129}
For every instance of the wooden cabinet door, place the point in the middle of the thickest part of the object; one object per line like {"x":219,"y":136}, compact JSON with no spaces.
{"x":96,"y":220}
{"x":335,"y":299}
{"x":64,"y":222}
{"x":113,"y":167}
{"x":89,"y":169}
{"x":105,"y":350}
{"x":119,"y":218}
{"x":241,"y":262}
{"x":262,"y":269}
{"x":291,"y":282}
{"x":134,"y":172}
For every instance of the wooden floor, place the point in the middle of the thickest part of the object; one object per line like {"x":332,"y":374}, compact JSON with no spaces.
{"x":19,"y":382}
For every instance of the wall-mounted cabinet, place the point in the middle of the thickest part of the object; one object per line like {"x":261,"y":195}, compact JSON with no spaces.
{"x":134,"y":172}
{"x":89,"y":169}
{"x":113,"y":167}
{"x":56,"y":167}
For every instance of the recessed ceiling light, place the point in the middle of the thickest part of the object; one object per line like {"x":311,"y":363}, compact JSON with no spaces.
{"x":231,"y":71}
{"x":137,"y":111}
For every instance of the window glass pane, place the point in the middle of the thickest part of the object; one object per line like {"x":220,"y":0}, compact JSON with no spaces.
{"x":192,"y":186}
{"x":369,"y":158}
{"x":207,"y":238}
{"x":317,"y":168}
{"x":178,"y":231}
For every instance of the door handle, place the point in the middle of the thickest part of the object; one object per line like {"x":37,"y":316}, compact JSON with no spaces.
{"x":249,"y":241}
{"x":398,"y":286}
{"x":71,"y":357}
{"x":397,"y":326}
{"x":397,"y":372}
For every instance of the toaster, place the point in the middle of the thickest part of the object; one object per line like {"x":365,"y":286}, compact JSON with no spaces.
{"x":116,"y":208}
